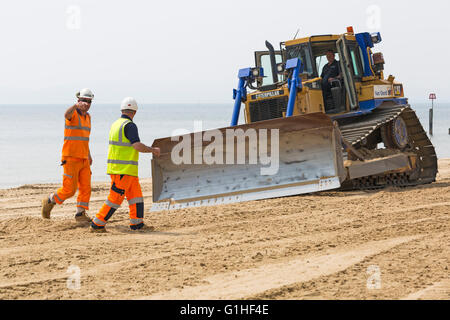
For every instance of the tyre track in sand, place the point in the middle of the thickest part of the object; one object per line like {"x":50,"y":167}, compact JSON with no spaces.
{"x":240,"y":284}
{"x":404,"y":231}
{"x":437,"y":290}
{"x":113,"y":266}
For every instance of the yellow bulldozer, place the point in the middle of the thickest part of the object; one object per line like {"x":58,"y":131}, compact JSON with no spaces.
{"x":319,"y":115}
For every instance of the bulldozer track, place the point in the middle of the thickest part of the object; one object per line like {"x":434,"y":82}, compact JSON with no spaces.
{"x":361,"y":128}
{"x":419,"y":143}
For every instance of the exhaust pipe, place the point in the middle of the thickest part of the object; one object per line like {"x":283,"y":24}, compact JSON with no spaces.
{"x":273,"y":62}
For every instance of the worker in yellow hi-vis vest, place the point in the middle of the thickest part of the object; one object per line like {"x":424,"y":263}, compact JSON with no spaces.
{"x":123,"y":158}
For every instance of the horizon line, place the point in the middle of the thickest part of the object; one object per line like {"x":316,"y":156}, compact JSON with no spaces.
{"x":170,"y":103}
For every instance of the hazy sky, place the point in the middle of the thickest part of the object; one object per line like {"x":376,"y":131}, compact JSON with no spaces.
{"x":190,"y":51}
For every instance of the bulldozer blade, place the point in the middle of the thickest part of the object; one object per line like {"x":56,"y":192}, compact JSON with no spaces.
{"x":266,"y":159}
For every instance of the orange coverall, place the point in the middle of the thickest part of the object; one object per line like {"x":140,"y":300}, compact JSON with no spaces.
{"x":75,"y":159}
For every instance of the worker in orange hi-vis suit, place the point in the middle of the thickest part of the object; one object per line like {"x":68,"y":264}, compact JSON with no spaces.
{"x":76,"y":159}
{"x":123,"y":157}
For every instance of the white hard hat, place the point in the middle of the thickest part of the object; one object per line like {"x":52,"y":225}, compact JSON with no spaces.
{"x":85,"y":93}
{"x":129,"y":103}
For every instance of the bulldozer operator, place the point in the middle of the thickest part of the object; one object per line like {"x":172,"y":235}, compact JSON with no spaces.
{"x":330,"y":72}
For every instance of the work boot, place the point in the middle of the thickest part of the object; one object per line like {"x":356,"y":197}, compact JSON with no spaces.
{"x":47,"y":207}
{"x":82,"y":217}
{"x":97,"y":230}
{"x":143,"y":228}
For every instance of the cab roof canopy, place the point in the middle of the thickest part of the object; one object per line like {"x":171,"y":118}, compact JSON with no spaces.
{"x":319,"y":38}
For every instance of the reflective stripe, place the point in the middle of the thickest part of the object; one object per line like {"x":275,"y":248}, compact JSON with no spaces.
{"x":135,"y":200}
{"x":56,"y":196}
{"x":77,"y":128}
{"x":77,"y":138}
{"x":136,"y":221}
{"x":121,"y":144}
{"x":112,"y":205}
{"x":123,"y":162}
{"x":79,"y":125}
{"x":120,"y":131}
{"x":86,"y":204}
{"x":98,"y":222}
{"x":68,"y":176}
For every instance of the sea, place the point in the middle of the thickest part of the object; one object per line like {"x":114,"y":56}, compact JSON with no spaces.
{"x":31,"y":136}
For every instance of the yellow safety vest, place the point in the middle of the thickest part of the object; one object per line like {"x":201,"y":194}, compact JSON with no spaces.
{"x":122,"y":157}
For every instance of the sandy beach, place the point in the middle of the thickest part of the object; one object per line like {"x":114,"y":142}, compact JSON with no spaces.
{"x":386,"y":244}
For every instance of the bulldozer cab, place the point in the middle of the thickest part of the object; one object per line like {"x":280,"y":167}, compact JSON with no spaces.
{"x":339,"y":95}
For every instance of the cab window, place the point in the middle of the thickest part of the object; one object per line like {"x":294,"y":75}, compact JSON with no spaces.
{"x":321,"y":61}
{"x":303,"y":52}
{"x":361,"y":58}
{"x":265,"y":63}
{"x":356,"y":62}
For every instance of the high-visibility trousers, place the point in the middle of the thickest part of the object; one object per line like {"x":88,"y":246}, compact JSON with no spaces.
{"x":77,"y":175}
{"x":122,"y":186}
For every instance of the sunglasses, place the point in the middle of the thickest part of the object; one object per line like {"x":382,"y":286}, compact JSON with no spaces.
{"x":86,"y":100}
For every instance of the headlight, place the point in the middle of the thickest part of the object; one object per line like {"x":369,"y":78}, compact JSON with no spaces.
{"x":376,"y":37}
{"x":257,"y":72}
